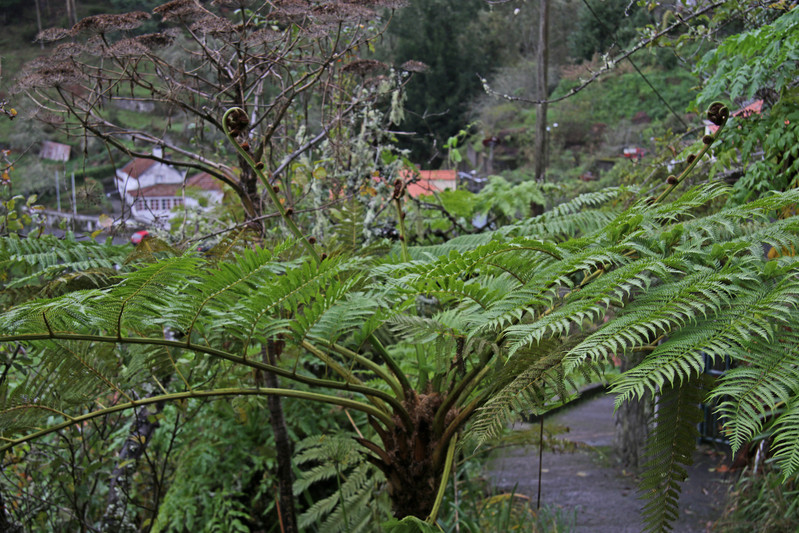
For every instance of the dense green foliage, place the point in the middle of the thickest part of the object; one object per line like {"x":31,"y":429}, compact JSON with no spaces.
{"x":393,"y":358}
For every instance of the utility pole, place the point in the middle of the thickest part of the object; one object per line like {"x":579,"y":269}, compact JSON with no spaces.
{"x":58,"y":191}
{"x":74,"y":203}
{"x":540,"y":147}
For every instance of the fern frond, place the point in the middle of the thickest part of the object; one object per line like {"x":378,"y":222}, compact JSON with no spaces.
{"x":589,"y":304}
{"x":765,"y":379}
{"x":527,"y":382}
{"x":564,"y":226}
{"x":355,"y":502}
{"x":751,"y":322}
{"x":49,"y":257}
{"x":70,"y":374}
{"x":786,"y":439}
{"x":669,"y":449}
{"x":545,"y":285}
{"x":662,"y":309}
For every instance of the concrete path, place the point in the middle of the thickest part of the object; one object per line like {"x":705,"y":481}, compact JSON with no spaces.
{"x":586,"y":484}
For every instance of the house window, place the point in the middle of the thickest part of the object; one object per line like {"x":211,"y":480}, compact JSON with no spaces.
{"x":166,"y":204}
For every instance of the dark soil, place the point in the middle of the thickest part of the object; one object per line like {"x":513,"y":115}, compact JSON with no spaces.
{"x":585,"y":483}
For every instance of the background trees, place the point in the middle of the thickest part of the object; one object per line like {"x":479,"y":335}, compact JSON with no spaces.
{"x":448,"y":37}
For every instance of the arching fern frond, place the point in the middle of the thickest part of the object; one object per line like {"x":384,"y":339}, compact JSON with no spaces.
{"x":64,"y":261}
{"x":751,"y":322}
{"x":356,"y":503}
{"x":669,"y":450}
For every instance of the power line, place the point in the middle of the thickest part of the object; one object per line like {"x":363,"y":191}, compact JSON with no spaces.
{"x":630,"y":59}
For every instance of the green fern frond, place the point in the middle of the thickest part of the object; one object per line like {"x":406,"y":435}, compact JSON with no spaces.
{"x":232,"y":243}
{"x":562,"y":227}
{"x":70,"y":374}
{"x":669,"y":450}
{"x":786,"y":439}
{"x":751,"y":322}
{"x":765,"y":379}
{"x":662,"y":309}
{"x":589,"y":304}
{"x":528,"y":381}
{"x":547,"y":285}
{"x":352,"y":506}
{"x":49,"y":257}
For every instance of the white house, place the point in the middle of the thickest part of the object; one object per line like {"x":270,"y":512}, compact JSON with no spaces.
{"x":151,"y":189}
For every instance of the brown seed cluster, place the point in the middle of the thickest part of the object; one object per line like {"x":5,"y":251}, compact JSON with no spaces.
{"x":181,"y":10}
{"x":363,"y":66}
{"x":51,"y":34}
{"x":334,"y":13}
{"x":671,"y":180}
{"x":414,"y":66}
{"x":213,"y":25}
{"x":107,"y":23}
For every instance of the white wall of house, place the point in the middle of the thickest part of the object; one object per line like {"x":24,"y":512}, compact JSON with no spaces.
{"x":157,"y":174}
{"x":152,"y":196}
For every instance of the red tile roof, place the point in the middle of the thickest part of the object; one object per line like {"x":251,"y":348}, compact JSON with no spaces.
{"x":427,"y":181}
{"x":204,"y":181}
{"x":137,"y":167}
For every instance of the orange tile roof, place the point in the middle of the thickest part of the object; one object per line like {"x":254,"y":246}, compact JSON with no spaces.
{"x":755,"y":108}
{"x":426,"y":179}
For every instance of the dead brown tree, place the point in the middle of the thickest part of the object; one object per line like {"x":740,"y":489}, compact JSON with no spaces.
{"x":280,"y":61}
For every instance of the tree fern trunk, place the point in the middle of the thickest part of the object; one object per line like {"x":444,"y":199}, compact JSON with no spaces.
{"x":632,"y":422}
{"x":283,"y":448}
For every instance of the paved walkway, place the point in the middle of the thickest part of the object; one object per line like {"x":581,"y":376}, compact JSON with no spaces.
{"x":587,"y":482}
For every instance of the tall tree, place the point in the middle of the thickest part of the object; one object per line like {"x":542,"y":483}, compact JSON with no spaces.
{"x":444,"y":35}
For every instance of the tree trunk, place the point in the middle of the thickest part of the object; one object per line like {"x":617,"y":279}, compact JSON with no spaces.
{"x":632,"y":422}
{"x":39,"y":21}
{"x":144,"y":425}
{"x":72,"y":12}
{"x":283,"y":447}
{"x":406,"y":458}
{"x":540,"y":147}
{"x":7,"y":525}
